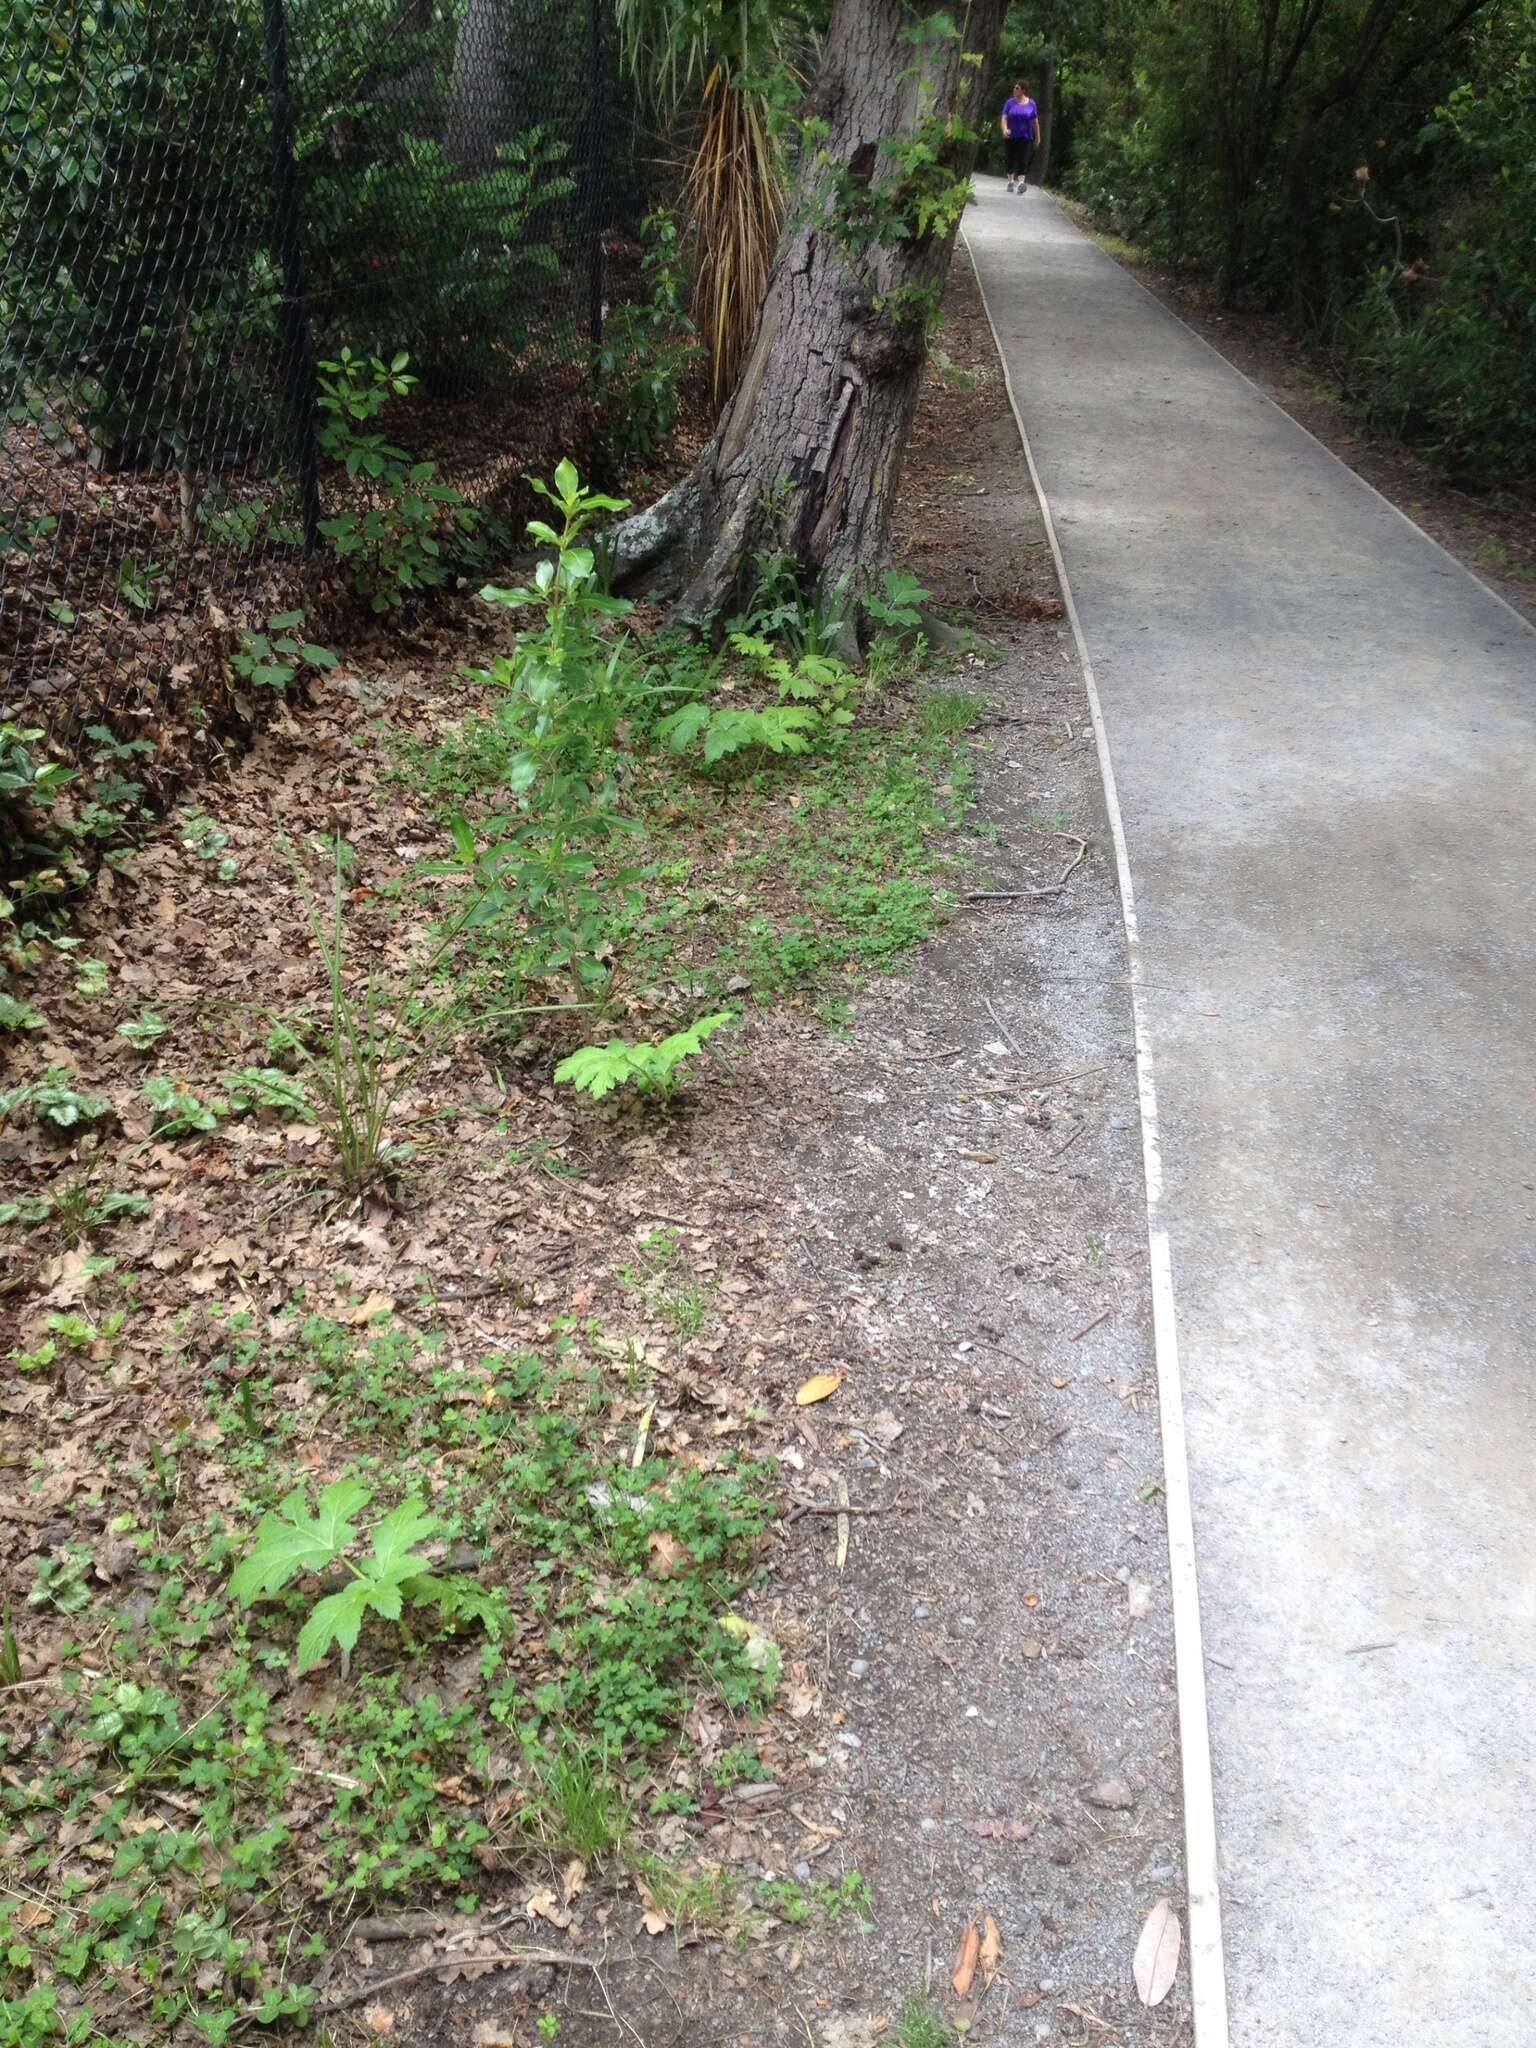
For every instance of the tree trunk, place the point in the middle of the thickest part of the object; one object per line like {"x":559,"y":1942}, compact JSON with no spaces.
{"x":1047,"y":118}
{"x":479,"y":93}
{"x":807,"y":457}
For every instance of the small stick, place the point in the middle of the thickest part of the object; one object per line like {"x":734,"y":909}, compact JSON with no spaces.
{"x":844,"y":1526}
{"x":1081,"y":2012}
{"x":1027,"y":1364}
{"x":1093,"y":1325}
{"x":1008,"y":895}
{"x":498,"y":1959}
{"x":1363,"y":1649}
{"x":1059,"y":1080}
{"x":950,"y":1052}
{"x":841,"y":1507}
{"x":1070,"y":1142}
{"x":992,"y":1013}
{"x":1082,"y":848}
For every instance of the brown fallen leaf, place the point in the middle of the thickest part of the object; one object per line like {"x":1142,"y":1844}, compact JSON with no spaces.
{"x":1112,"y":1794}
{"x":818,"y":1387}
{"x":668,"y":1557}
{"x":543,"y":1905}
{"x":964,"y":1973}
{"x":991,"y":1952}
{"x":1156,"y":1961}
{"x":1001,"y":1830}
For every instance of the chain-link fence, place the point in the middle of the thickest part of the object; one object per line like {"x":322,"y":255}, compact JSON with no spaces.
{"x":214,"y":215}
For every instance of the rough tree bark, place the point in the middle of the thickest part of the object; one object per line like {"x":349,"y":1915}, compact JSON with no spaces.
{"x":807,"y":455}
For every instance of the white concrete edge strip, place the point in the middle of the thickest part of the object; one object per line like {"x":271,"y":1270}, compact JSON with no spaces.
{"x":1207,"y":1958}
{"x":1290,"y":418}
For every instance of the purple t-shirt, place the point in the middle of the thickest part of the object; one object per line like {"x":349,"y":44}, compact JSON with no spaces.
{"x":1020,"y":116}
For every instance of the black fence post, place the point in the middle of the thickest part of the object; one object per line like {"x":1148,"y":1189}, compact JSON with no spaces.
{"x":592,"y":151}
{"x":298,"y":366}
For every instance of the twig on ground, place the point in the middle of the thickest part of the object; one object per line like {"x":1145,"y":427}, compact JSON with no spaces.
{"x":1060,"y":1080}
{"x":1092,"y":1325}
{"x":404,"y":1927}
{"x":496,"y":1959}
{"x":1070,"y":1142}
{"x":1081,"y":2012}
{"x":1075,"y":861}
{"x":802,"y":1506}
{"x":844,"y":1526}
{"x":1008,"y":895}
{"x":950,"y":1052}
{"x":994,"y":1345}
{"x":992,"y":1013}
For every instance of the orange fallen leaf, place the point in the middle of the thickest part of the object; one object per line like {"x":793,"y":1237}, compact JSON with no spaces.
{"x":991,"y":1952}
{"x":964,"y":1973}
{"x":818,"y":1387}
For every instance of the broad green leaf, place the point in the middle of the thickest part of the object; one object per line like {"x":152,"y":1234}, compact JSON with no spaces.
{"x":407,"y":1525}
{"x":383,"y":1593}
{"x":290,"y":1541}
{"x":336,"y":1619}
{"x":683,"y":727}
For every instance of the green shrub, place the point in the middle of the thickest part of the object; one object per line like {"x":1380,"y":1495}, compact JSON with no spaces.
{"x":407,"y":532}
{"x":647,"y":351}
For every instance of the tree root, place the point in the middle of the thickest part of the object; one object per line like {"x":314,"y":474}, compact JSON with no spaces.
{"x":648,"y":539}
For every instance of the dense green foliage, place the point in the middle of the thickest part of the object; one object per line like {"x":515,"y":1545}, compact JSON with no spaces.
{"x":438,"y":163}
{"x":1368,"y":166}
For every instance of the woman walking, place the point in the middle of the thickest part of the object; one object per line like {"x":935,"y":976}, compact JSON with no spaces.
{"x":1021,"y":132}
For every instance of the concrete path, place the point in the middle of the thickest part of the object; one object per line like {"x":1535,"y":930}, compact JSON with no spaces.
{"x":1324,"y":736}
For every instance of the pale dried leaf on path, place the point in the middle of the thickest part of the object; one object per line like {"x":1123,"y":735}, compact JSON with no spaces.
{"x":1156,"y":1961}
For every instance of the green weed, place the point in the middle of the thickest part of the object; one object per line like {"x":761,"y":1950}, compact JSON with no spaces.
{"x":946,"y":712}
{"x":180,"y":1112}
{"x":55,"y":1101}
{"x":142,"y":1031}
{"x":581,"y":1804}
{"x":920,"y":2024}
{"x":273,"y":659}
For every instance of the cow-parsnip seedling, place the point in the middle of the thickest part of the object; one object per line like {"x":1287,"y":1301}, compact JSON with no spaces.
{"x":651,"y":1066}
{"x":391,"y":1575}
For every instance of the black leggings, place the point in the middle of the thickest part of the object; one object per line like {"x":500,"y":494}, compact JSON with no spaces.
{"x":1017,"y":151}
